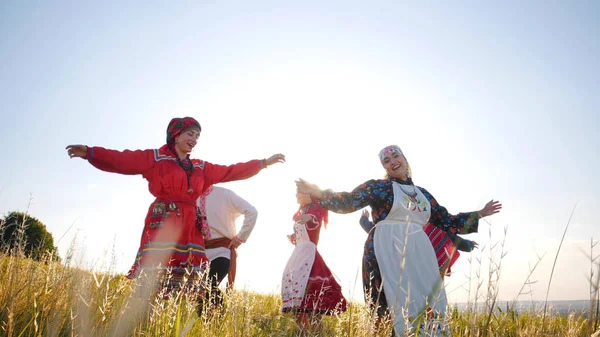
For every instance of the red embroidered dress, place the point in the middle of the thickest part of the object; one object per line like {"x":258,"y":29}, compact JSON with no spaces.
{"x":172,"y":238}
{"x":307,"y":284}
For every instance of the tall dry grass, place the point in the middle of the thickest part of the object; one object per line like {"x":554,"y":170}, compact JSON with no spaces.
{"x":49,"y":298}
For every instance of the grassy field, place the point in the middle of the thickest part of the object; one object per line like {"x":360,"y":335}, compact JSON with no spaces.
{"x":52,"y":299}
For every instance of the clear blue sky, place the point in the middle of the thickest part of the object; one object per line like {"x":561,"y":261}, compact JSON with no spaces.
{"x":487,"y":100}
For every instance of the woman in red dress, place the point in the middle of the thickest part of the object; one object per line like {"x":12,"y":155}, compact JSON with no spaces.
{"x":172,"y":241}
{"x":308,"y":287}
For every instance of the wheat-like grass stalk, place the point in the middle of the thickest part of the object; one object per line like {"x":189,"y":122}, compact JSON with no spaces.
{"x":51,"y":298}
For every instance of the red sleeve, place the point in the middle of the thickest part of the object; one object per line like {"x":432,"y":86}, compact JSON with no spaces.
{"x":123,"y":162}
{"x":219,"y":173}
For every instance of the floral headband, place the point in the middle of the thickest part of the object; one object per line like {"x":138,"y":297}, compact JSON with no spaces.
{"x":389,"y":150}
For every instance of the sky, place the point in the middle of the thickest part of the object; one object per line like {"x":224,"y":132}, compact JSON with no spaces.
{"x":487,"y":100}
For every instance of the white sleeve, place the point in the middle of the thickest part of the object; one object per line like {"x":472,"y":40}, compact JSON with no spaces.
{"x":250,"y":215}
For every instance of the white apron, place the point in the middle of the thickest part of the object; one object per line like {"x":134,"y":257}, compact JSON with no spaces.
{"x":297,"y":269}
{"x":409,"y":270}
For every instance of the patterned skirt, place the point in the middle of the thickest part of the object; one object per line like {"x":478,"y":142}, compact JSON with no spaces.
{"x":445,"y":251}
{"x":310,"y":287}
{"x":171,"y":253}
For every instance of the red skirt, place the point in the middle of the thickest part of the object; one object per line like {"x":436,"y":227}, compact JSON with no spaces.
{"x":323,"y":294}
{"x":172,"y":246}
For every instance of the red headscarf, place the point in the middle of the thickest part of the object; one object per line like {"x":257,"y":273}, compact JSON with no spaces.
{"x":176,"y":125}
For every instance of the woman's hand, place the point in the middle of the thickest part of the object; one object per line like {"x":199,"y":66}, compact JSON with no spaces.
{"x":304,"y":218}
{"x":492,"y":207}
{"x":365,"y":213}
{"x":77,"y":151}
{"x":304,"y":186}
{"x":276,"y":158}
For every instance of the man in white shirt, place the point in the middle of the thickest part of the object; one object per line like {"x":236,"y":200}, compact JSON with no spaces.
{"x":222,"y":208}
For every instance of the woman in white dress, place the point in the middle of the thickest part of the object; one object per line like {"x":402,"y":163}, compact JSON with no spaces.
{"x":308,"y":287}
{"x":400,"y":270}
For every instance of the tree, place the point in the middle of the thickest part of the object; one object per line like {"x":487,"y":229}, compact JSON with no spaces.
{"x":24,"y":234}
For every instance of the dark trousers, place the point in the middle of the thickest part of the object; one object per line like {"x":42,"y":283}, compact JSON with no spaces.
{"x":219,"y":268}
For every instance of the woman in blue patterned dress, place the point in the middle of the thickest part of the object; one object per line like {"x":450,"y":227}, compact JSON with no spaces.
{"x":400,"y":271}
{"x":445,"y":244}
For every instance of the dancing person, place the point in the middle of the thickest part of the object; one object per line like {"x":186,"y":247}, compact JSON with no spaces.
{"x":400,"y":272}
{"x":308,"y":287}
{"x":223,"y":207}
{"x":172,"y":241}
